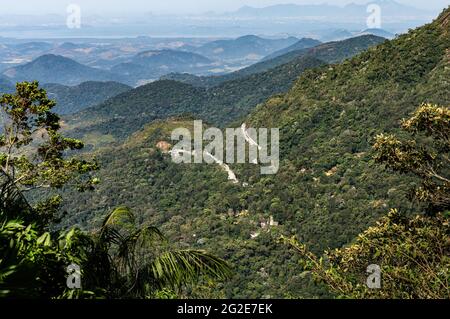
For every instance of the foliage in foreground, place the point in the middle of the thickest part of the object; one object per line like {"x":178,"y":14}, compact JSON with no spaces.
{"x":137,"y":262}
{"x":120,"y":260}
{"x":32,"y":148}
{"x":412,"y":253}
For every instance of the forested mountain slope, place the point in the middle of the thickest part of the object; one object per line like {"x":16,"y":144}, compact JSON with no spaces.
{"x":328,"y":121}
{"x":72,"y":99}
{"x":304,"y":43}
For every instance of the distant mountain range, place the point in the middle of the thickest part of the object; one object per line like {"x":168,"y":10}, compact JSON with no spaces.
{"x":146,"y":66}
{"x":249,"y":47}
{"x":169,"y":58}
{"x":150,"y":65}
{"x":288,"y":19}
{"x":51,"y":68}
{"x":330,"y":52}
{"x":390,"y":8}
{"x":6,"y":86}
{"x":35,"y":46}
{"x":126,"y":113}
{"x":342,"y":34}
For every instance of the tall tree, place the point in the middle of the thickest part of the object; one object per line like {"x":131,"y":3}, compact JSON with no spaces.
{"x":32,"y":150}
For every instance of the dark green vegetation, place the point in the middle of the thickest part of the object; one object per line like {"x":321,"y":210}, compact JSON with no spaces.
{"x":120,"y":260}
{"x":225,"y":102}
{"x":328,"y":190}
{"x":328,"y":122}
{"x":412,"y":254}
{"x":72,"y":99}
{"x":32,"y":148}
{"x":425,"y":154}
{"x":57,"y":69}
{"x":332,"y":52}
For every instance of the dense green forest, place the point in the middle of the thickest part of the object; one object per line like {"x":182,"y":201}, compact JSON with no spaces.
{"x":72,"y":99}
{"x":329,"y":188}
{"x":408,"y":254}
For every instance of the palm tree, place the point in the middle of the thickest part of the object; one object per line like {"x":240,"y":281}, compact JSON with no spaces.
{"x":120,"y":260}
{"x":135,"y":262}
{"x":12,"y":203}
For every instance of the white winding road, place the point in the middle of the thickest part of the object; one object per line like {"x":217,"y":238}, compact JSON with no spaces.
{"x":231,"y":175}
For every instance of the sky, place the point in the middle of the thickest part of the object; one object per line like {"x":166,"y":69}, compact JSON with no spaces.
{"x":121,"y":7}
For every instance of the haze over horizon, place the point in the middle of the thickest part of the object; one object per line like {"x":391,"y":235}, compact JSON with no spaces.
{"x":202,"y":18}
{"x":116,"y":7}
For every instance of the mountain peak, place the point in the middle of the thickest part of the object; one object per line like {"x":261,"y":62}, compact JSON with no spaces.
{"x":249,"y":37}
{"x":51,"y":68}
{"x":53,"y":58}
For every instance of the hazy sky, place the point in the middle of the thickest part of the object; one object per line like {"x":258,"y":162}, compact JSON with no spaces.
{"x":122,"y":7}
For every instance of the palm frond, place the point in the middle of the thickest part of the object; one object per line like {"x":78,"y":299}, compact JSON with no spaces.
{"x":137,"y":248}
{"x":121,"y":216}
{"x":117,"y":225}
{"x":13,"y":204}
{"x":177,"y":268}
